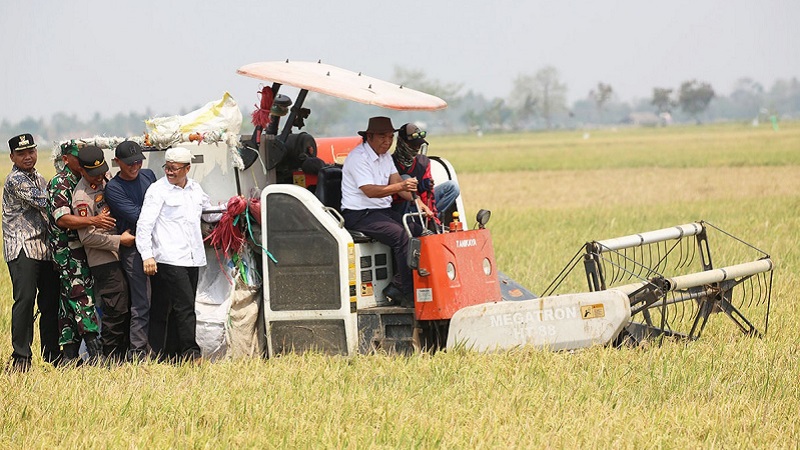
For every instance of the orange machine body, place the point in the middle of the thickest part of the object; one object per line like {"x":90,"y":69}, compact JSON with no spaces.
{"x":335,"y":149}
{"x":332,"y":150}
{"x":470,"y":279}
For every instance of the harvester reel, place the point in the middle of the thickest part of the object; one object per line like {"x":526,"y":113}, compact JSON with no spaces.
{"x":667,"y":298}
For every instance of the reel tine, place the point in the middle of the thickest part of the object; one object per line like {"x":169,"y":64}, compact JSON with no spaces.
{"x":693,"y":253}
{"x":614,"y":266}
{"x":638,"y":267}
{"x":679,"y":307}
{"x":625,"y":266}
{"x":680,"y":256}
{"x":622,"y":264}
{"x":760,"y":291}
{"x":691,"y":249}
{"x":667,"y":316}
{"x":656,"y":248}
{"x":661,"y":258}
{"x":685,"y":252}
{"x":752,"y":292}
{"x":621,"y":267}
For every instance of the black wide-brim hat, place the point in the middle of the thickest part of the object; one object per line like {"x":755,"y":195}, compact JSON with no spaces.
{"x":378,"y":125}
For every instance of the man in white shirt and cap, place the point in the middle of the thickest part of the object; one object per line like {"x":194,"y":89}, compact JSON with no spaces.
{"x":169,"y":239}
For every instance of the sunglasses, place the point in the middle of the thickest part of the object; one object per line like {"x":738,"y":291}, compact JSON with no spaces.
{"x":417,"y":135}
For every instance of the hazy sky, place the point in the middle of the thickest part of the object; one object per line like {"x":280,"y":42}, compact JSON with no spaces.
{"x":90,"y":56}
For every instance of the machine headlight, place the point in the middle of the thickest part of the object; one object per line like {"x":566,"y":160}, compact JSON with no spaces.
{"x":483,"y":218}
{"x":487,"y":266}
{"x":451,"y":271}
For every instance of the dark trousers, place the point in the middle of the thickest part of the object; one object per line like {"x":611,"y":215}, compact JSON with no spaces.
{"x":172,"y":316}
{"x":28,"y":276}
{"x":139,"y":288}
{"x":385,"y":226}
{"x":111,"y":292}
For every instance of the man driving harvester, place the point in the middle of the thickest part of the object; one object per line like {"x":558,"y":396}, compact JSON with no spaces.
{"x":369,"y":179}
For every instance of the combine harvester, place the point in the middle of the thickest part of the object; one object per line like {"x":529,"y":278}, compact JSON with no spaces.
{"x":300,"y":281}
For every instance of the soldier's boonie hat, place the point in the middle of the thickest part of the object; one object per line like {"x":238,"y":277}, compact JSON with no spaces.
{"x":129,"y":152}
{"x":21,"y":142}
{"x":92,"y":160}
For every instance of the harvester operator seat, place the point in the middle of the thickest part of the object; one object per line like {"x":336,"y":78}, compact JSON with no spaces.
{"x":329,"y":186}
{"x":329,"y":192}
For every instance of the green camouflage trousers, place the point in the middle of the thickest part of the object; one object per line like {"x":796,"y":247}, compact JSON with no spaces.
{"x":76,"y":313}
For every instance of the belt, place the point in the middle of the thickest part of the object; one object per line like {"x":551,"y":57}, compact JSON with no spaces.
{"x":365,"y":210}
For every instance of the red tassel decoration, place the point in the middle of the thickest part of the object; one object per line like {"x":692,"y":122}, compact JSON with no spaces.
{"x":261,"y":114}
{"x":226,"y":236}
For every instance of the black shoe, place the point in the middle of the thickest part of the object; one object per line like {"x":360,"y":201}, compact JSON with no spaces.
{"x":392,"y":294}
{"x":18,"y":365}
{"x":52,"y":357}
{"x":407,"y":301}
{"x":397,"y":297}
{"x":94,"y":347}
{"x":70,"y":356}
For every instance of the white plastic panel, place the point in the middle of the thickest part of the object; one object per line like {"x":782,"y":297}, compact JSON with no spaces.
{"x":442,"y":171}
{"x":563,"y":322}
{"x":326,"y":319}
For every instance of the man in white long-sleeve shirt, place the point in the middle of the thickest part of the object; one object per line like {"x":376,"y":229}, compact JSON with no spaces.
{"x":169,"y":239}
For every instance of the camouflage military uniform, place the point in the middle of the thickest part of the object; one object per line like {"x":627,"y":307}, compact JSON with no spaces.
{"x":76,"y":313}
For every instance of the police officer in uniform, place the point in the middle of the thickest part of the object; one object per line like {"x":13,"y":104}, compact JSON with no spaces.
{"x":102,"y":252}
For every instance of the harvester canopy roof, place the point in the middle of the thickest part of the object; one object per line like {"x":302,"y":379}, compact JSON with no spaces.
{"x":342,"y":83}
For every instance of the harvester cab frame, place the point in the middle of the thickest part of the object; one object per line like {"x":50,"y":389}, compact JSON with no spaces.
{"x":323,"y":290}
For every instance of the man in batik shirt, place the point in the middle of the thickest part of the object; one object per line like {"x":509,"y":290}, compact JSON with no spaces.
{"x":25,"y":251}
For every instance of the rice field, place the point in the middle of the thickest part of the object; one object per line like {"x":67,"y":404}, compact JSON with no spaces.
{"x":549,"y":193}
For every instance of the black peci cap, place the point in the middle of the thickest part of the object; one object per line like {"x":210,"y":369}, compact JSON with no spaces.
{"x":21,"y":142}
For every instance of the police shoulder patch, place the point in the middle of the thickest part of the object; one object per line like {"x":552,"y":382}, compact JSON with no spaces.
{"x":82,"y":209}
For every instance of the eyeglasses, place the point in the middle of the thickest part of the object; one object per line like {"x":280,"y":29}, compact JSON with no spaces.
{"x":170,"y":169}
{"x":417,"y":135}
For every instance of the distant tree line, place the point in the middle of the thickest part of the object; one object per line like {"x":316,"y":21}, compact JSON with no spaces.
{"x":537,"y":101}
